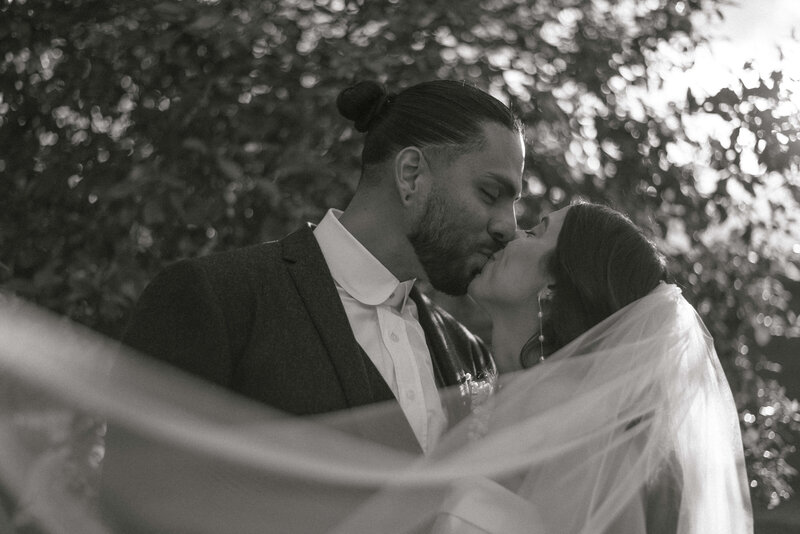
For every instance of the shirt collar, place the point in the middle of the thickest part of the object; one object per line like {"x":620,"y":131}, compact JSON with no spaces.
{"x":355,"y":269}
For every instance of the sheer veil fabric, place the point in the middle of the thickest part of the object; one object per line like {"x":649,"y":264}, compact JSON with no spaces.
{"x":631,"y":428}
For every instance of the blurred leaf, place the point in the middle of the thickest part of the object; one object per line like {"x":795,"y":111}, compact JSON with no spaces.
{"x":153,"y":214}
{"x":230,"y":168}
{"x":193,"y":143}
{"x":206,"y":21}
{"x":172,"y":11}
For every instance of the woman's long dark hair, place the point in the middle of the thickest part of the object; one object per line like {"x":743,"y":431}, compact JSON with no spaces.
{"x":602,"y":262}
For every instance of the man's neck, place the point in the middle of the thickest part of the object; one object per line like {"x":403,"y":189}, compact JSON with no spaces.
{"x":374,"y":223}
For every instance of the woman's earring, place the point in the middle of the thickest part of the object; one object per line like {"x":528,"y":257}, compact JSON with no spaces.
{"x":543,"y":295}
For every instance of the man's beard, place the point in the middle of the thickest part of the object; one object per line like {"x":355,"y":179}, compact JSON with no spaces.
{"x":443,"y":247}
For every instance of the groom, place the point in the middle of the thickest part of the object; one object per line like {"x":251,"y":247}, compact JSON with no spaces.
{"x":328,"y":318}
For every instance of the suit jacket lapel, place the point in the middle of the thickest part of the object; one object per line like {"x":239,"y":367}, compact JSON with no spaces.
{"x":316,"y":287}
{"x":314,"y":284}
{"x":446,"y":370}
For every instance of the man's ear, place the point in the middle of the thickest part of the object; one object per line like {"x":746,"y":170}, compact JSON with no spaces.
{"x":411,"y":175}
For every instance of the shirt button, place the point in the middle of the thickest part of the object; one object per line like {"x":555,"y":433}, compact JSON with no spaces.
{"x":394,"y":337}
{"x":410,"y":395}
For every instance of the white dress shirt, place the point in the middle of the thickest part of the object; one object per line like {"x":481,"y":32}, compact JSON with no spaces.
{"x":386,"y":325}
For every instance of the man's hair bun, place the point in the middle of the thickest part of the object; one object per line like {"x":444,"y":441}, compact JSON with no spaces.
{"x":362,"y":103}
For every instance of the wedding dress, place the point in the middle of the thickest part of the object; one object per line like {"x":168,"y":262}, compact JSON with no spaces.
{"x":631,"y":428}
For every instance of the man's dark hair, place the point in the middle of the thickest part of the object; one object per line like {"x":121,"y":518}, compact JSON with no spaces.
{"x":441,"y":113}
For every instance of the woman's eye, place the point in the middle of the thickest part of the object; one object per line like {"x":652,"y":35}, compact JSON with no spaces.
{"x":536,"y":231}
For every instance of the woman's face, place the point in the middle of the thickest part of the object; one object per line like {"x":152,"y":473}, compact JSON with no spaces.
{"x":516,"y":274}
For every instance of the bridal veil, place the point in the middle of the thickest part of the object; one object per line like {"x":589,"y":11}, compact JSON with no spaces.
{"x":630,"y":428}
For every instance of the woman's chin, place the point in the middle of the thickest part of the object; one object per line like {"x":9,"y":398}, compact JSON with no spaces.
{"x":477,"y":289}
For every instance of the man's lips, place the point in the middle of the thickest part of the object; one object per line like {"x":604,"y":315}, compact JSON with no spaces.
{"x":490,"y":257}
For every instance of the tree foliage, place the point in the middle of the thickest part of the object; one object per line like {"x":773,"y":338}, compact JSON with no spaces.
{"x":138,"y":132}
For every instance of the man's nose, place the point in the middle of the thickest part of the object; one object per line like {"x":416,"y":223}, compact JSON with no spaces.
{"x":503,"y":226}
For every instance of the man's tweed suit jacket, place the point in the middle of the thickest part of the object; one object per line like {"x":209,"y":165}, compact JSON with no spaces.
{"x":267,"y":322}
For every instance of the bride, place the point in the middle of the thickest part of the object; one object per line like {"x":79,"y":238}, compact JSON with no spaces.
{"x":613,"y":415}
{"x":658,"y":449}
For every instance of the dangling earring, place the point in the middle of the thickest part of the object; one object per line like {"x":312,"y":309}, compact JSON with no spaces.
{"x":543,"y":295}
